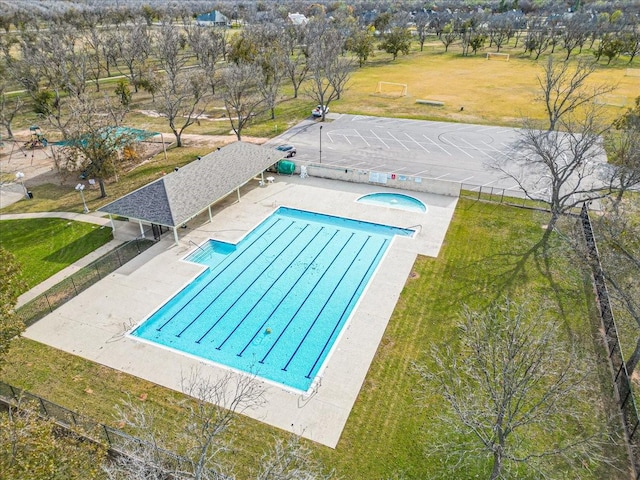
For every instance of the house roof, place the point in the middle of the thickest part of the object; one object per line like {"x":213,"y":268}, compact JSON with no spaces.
{"x":180,"y":195}
{"x":212,"y":17}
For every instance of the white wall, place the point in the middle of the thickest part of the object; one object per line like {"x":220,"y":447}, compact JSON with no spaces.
{"x":401,"y":182}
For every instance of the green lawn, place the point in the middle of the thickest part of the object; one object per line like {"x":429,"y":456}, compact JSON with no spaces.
{"x":44,"y":246}
{"x":487,"y":254}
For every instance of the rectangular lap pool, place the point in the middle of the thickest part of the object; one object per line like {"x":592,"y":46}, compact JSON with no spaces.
{"x":275,"y":303}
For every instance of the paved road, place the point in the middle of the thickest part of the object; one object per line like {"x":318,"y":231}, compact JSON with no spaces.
{"x":447,"y":151}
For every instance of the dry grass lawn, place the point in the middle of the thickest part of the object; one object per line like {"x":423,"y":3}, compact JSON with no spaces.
{"x":492,"y":92}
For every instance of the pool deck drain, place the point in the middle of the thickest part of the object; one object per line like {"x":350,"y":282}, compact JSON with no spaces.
{"x":94,"y":324}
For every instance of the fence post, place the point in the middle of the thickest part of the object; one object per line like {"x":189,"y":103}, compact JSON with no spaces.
{"x":118,"y":255}
{"x":98,"y":271}
{"x":46,"y":297}
{"x":138,"y":246}
{"x":74,"y":285}
{"x":479,"y":192}
{"x":44,"y":409}
{"x":106,"y":432}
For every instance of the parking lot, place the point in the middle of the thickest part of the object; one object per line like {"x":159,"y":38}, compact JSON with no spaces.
{"x":447,"y":151}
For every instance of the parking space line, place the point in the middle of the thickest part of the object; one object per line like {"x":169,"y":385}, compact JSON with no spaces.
{"x":465,"y":179}
{"x":444,"y":140}
{"x":405,"y":147}
{"x":363,"y":139}
{"x":470,"y":144}
{"x":440,"y":147}
{"x":442,"y":176}
{"x":382,"y":141}
{"x":416,"y":142}
{"x":420,"y":172}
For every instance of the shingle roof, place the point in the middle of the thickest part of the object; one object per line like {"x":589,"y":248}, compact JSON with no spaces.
{"x":179,"y":195}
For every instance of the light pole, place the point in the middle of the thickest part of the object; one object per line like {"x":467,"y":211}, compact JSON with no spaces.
{"x":80,"y":188}
{"x":20,"y":178}
{"x":320,"y":143}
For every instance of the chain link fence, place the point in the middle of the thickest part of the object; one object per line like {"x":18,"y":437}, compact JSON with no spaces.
{"x":117,"y":441}
{"x":71,"y":286}
{"x":621,"y":377}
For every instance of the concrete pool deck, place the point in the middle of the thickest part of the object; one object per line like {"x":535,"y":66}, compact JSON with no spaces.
{"x":94,"y":325}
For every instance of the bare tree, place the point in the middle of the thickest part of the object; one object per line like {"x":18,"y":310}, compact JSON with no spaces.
{"x":565,"y":88}
{"x":182,"y":100}
{"x":241,"y":94}
{"x":215,"y":403}
{"x":296,"y":68}
{"x":618,"y":233}
{"x":93,"y":138}
{"x":134,"y":47}
{"x":33,"y":447}
{"x":329,"y":72}
{"x":623,"y":147}
{"x":509,"y":379}
{"x":209,"y":46}
{"x":562,"y":168}
{"x":9,"y":107}
{"x":290,"y":460}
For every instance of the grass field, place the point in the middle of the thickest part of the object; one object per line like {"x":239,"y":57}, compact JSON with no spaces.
{"x":44,"y":246}
{"x":492,"y":92}
{"x":388,"y":432}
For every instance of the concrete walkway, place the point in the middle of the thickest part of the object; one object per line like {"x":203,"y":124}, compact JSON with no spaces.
{"x":125,"y":231}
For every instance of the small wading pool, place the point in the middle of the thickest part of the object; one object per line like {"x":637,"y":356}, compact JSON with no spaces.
{"x":394,"y":200}
{"x":275,"y":303}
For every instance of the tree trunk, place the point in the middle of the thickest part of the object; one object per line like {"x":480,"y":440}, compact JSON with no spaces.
{"x":632,"y":362}
{"x":103,"y":191}
{"x":497,"y":464}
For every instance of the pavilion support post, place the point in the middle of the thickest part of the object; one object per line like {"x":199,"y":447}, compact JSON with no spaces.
{"x":210,"y":216}
{"x":238,"y":190}
{"x":175,"y":235}
{"x":141,"y":229}
{"x":113,"y":225}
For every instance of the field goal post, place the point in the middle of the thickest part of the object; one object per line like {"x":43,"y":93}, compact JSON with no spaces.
{"x":391,"y":89}
{"x":499,"y":56}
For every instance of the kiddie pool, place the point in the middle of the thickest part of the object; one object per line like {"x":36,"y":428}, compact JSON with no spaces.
{"x":394,"y":200}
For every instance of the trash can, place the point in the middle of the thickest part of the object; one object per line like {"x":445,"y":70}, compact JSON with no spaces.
{"x":30,"y":194}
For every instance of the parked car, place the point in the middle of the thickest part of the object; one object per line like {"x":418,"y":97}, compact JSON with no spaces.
{"x":317,"y":112}
{"x":288,"y":150}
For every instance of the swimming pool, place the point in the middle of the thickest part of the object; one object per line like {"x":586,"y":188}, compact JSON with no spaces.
{"x":274,"y":303}
{"x":394,"y":200}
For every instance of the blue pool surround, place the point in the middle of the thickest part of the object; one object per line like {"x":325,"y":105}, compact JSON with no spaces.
{"x":275,"y":303}
{"x":399,"y":201}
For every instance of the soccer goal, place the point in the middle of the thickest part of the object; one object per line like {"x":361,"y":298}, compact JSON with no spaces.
{"x":611,"y":100}
{"x":389,"y":89}
{"x":498,"y":56}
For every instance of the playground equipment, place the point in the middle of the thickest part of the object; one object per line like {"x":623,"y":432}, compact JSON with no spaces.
{"x":37,"y":139}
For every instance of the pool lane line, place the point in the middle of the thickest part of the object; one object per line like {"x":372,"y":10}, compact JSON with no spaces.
{"x":223,"y":290}
{"x":284,"y":270}
{"x":344,"y":274}
{"x":293,"y":285}
{"x":335,"y":327}
{"x":277,"y":220}
{"x":306,"y":298}
{"x":229,"y":284}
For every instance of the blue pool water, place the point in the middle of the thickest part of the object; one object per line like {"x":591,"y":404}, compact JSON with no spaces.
{"x":394,"y":200}
{"x":274,"y":304}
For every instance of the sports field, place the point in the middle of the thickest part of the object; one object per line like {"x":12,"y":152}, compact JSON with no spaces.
{"x":493,"y":92}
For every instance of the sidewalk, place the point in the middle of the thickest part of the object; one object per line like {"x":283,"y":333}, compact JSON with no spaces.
{"x":125,"y":231}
